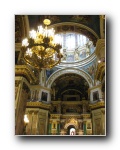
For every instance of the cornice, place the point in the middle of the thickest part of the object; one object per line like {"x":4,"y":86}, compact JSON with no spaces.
{"x":55,"y":115}
{"x":70,"y":102}
{"x":77,"y":27}
{"x":86,"y":115}
{"x":80,"y":63}
{"x":94,"y":87}
{"x":64,"y":116}
{"x":100,"y":104}
{"x":25,"y":71}
{"x":38,"y":105}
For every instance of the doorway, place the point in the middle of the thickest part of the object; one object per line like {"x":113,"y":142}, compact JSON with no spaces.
{"x":71,"y":130}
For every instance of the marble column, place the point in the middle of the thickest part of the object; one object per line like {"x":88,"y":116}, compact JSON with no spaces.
{"x":84,"y":127}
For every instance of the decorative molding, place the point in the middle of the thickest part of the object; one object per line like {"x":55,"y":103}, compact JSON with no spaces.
{"x":86,"y":116}
{"x":94,"y":87}
{"x":71,"y":121}
{"x":38,"y":105}
{"x":18,"y":46}
{"x":100,"y":48}
{"x":17,"y":82}
{"x":25,"y":71}
{"x":100,"y":71}
{"x":100,"y":104}
{"x":80,"y":63}
{"x":55,"y":116}
{"x":64,"y":116}
{"x":76,"y":27}
{"x":60,"y":72}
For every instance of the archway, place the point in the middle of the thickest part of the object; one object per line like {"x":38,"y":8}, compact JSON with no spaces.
{"x":60,"y":72}
{"x":71,"y":130}
{"x":69,"y":87}
{"x":71,"y":126}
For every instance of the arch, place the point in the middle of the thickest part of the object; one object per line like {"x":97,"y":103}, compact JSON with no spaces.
{"x":77,"y":28}
{"x":71,"y":130}
{"x":77,"y":71}
{"x":71,"y":122}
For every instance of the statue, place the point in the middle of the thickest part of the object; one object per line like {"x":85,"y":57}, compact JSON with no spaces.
{"x":64,"y":55}
{"x":76,"y":56}
{"x":87,"y":49}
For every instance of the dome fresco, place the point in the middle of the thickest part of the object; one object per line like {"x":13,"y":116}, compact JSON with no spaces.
{"x":75,"y":46}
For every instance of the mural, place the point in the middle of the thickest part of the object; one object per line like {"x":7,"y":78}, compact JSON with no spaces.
{"x":92,"y":49}
{"x":82,"y":54}
{"x":51,"y":71}
{"x":70,"y":58}
{"x":90,"y":68}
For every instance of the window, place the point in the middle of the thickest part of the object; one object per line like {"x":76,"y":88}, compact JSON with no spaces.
{"x":70,"y":41}
{"x":75,"y":46}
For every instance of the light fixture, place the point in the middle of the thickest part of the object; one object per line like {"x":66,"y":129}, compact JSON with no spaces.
{"x":41,"y":50}
{"x":99,"y":61}
{"x":26,"y":121}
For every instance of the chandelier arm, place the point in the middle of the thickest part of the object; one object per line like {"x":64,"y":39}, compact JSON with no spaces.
{"x":40,"y":51}
{"x":28,"y":63}
{"x":56,"y":48}
{"x":32,"y":60}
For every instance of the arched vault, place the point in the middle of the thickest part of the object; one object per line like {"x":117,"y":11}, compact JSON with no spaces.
{"x":58,"y":73}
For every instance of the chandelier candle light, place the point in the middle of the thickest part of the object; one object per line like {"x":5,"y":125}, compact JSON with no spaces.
{"x":26,"y":121}
{"x":41,"y":49}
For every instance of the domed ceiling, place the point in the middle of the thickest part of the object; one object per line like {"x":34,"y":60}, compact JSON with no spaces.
{"x":76,"y":33}
{"x":91,"y":21}
{"x":82,"y":29}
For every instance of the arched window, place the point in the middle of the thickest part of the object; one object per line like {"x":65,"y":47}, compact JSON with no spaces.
{"x":75,"y":46}
{"x":70,"y":41}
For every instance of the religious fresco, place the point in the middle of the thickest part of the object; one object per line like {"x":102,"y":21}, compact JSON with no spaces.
{"x":49,"y":72}
{"x":90,"y":68}
{"x":75,"y":46}
{"x":82,"y":54}
{"x":70,"y":58}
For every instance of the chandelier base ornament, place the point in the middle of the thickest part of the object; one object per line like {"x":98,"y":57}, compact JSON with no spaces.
{"x":41,"y":50}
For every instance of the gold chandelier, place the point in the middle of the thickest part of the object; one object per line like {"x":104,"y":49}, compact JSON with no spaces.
{"x":41,"y":50}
